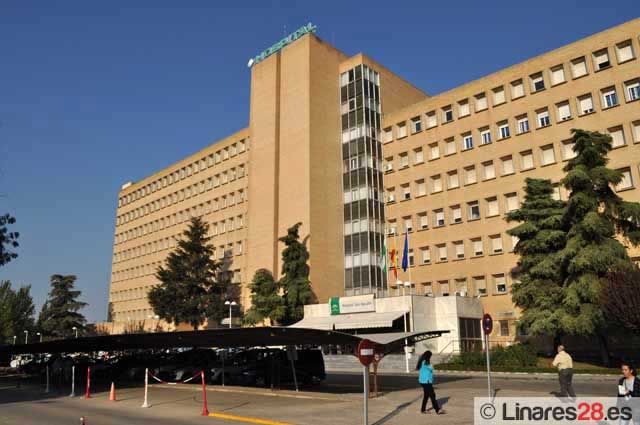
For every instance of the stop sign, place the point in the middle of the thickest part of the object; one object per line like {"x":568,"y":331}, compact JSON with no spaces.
{"x":487,"y":324}
{"x":366,"y":352}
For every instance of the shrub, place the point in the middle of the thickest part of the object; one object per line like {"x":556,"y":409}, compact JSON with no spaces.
{"x":518,"y":355}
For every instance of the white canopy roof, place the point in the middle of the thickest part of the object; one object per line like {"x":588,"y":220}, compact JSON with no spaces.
{"x":350,"y":321}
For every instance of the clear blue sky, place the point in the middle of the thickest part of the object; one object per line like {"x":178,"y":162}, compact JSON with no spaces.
{"x":93,"y":94}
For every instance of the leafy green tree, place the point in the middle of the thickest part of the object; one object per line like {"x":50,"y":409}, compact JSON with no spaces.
{"x":189,"y":291}
{"x":266,"y":301}
{"x":538,"y":287}
{"x":594,"y":217}
{"x":60,"y":312}
{"x":16,"y":311}
{"x":8,"y":240}
{"x":295,"y":276}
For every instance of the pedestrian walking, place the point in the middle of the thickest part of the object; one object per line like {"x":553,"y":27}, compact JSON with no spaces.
{"x":628,"y":389}
{"x":564,"y":363}
{"x":425,"y":378}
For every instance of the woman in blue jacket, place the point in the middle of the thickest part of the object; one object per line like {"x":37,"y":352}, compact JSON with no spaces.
{"x":426,"y":380}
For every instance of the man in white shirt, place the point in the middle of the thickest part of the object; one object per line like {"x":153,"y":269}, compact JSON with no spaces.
{"x":564,"y":363}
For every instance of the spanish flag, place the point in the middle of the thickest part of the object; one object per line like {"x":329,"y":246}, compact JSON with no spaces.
{"x":393,"y":255}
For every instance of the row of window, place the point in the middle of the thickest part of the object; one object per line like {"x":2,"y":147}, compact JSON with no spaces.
{"x":504,"y":166}
{"x":204,"y":208}
{"x":536,"y":82}
{"x":461,"y":286}
{"x":468,"y":140}
{"x":139,"y":315}
{"x":180,"y":195}
{"x":186,"y":171}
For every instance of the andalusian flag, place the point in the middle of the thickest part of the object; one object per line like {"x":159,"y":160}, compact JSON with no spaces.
{"x":383,"y":256}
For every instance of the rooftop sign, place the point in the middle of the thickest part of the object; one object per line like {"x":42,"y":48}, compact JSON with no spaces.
{"x":309,"y":28}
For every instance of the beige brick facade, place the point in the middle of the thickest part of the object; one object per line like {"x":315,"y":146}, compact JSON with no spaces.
{"x":439,"y":178}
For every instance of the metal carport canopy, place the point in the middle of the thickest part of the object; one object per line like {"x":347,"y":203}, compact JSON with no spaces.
{"x":220,"y":338}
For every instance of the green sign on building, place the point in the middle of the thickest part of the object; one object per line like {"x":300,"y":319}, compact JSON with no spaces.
{"x":334,"y":305}
{"x":282,"y":43}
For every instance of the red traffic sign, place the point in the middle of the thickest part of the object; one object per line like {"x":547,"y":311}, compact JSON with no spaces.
{"x":366,"y":352}
{"x":487,"y":323}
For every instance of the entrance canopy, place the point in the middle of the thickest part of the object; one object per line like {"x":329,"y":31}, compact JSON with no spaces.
{"x":215,"y":338}
{"x":351,"y":321}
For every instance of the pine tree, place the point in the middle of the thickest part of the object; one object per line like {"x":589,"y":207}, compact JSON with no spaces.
{"x":16,"y":311}
{"x":266,"y":301}
{"x":8,"y":240}
{"x":189,"y":291}
{"x":595,"y":216}
{"x":295,"y":276}
{"x":538,"y":278}
{"x":59,"y":314}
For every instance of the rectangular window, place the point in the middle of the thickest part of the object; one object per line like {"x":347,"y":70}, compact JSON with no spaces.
{"x":467,"y":141}
{"x":496,"y":244}
{"x":474,"y":210}
{"x":406,"y":192}
{"x":585,"y":104}
{"x":418,"y":156}
{"x":511,"y":201}
{"x":503,"y":130}
{"x":492,"y":207}
{"x":523,"y":124}
{"x":480,"y":285}
{"x":627,"y":180}
{"x":543,"y":118}
{"x":432,"y":119}
{"x":447,"y":114}
{"x":450,"y":146}
{"x":557,"y":75}
{"x":601,"y":59}
{"x":514,"y":239}
{"x":537,"y":82}
{"x":444,"y":288}
{"x":547,"y":155}
{"x":461,"y":287}
{"x":564,"y":111}
{"x":442,"y":252}
{"x":470,"y":176}
{"x":463,"y":108}
{"x":458,"y":248}
{"x":387,"y":135}
{"x":485,"y":135}
{"x":436,"y":184}
{"x":517,"y":89}
{"x":500,"y":283}
{"x":624,"y":51}
{"x":636,"y":131}
{"x":567,"y":150}
{"x":404,"y":160}
{"x":456,"y":214}
{"x":507,"y":165}
{"x":579,"y":67}
{"x":481,"y":102}
{"x":416,"y":125}
{"x":452,"y":179}
{"x":617,"y":136}
{"x":498,"y":96}
{"x":632,"y":90}
{"x":477,"y":247}
{"x":609,"y":97}
{"x":434,"y":151}
{"x":488,"y":170}
{"x":408,"y":224}
{"x":438,"y":218}
{"x":402,"y":130}
{"x":425,"y":255}
{"x":504,"y":327}
{"x":421,"y":187}
{"x":423,"y":220}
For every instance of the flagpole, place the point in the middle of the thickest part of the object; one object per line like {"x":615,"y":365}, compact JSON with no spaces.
{"x":395,"y":263}
{"x":404,"y":299}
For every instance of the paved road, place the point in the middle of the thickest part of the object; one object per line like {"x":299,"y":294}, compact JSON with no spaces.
{"x":337,"y":402}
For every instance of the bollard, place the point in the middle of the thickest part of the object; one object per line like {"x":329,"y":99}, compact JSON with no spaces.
{"x":46,"y":389}
{"x":73,"y":381}
{"x":82,"y":420}
{"x":87,"y":393}
{"x":205,"y":411}
{"x":146,"y":385}
{"x":112,"y":393}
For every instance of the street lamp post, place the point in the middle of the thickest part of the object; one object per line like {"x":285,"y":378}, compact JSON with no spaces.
{"x":14,"y":339}
{"x":26,"y":337}
{"x":75,"y":329}
{"x":230,"y":304}
{"x":40,"y":335}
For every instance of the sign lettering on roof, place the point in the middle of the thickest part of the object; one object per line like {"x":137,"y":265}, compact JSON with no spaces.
{"x":309,"y":28}
{"x":356,"y":304}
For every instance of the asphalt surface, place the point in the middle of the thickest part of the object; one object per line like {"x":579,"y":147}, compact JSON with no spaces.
{"x":337,"y":401}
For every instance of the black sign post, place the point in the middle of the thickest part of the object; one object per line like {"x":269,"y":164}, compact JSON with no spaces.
{"x":487,"y":327}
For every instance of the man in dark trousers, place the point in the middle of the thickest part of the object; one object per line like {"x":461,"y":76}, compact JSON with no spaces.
{"x":564,"y":363}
